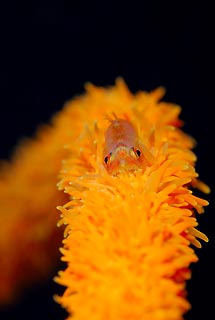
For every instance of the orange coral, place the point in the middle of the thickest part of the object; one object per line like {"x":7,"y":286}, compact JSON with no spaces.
{"x":28,"y":198}
{"x":128,"y":234}
{"x":129,"y":230}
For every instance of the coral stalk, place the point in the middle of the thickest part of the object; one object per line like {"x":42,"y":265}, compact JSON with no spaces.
{"x":126,"y":181}
{"x":29,"y":238}
{"x":130,"y":231}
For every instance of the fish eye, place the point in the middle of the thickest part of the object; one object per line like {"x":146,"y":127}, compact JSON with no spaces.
{"x":137,"y":152}
{"x":107,"y":158}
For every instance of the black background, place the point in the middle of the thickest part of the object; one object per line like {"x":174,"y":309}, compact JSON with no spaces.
{"x":49,"y":49}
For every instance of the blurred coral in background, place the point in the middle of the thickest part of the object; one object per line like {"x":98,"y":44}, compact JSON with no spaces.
{"x":28,"y":215}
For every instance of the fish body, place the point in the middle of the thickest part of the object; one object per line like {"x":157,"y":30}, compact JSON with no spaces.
{"x":122,"y":149}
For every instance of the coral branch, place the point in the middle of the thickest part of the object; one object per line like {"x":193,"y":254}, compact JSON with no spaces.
{"x":129,"y":232}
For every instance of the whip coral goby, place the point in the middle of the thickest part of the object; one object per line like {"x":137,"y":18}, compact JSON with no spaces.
{"x":131,"y":220}
{"x":122,"y":150}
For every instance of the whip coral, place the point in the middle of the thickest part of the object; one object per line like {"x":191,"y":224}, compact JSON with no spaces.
{"x":129,"y":228}
{"x":125,"y":176}
{"x":28,"y":216}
